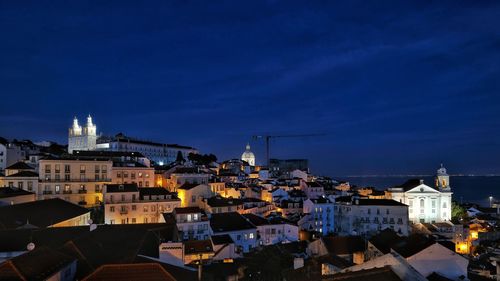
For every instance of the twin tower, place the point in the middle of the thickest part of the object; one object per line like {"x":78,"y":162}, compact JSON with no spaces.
{"x":82,"y":138}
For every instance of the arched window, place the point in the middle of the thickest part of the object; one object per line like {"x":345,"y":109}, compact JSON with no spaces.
{"x":422,"y":204}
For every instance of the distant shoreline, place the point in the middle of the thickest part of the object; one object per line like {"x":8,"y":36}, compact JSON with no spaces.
{"x":407,"y":176}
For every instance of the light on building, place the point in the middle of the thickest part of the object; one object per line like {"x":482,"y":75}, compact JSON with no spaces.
{"x":161,"y":163}
{"x":474,"y":235}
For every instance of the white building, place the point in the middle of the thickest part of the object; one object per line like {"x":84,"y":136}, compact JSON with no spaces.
{"x":248,"y":156}
{"x":319,"y":215}
{"x":426,"y":204}
{"x":82,"y":138}
{"x":273,"y":231}
{"x":192,"y":223}
{"x":243,"y":233}
{"x":127,"y":204}
{"x":10,"y":154}
{"x":368,"y":216}
{"x":160,"y":153}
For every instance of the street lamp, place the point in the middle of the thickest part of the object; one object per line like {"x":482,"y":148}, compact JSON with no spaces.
{"x":491,"y":200}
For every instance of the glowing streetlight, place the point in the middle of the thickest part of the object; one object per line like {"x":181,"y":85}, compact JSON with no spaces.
{"x":491,"y":201}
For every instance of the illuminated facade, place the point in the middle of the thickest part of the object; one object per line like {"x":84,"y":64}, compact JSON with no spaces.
{"x":82,"y":138}
{"x":425,"y":203}
{"x":74,"y":180}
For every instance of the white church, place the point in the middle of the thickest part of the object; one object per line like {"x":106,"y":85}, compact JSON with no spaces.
{"x":425,"y":203}
{"x":248,"y":156}
{"x":82,"y":138}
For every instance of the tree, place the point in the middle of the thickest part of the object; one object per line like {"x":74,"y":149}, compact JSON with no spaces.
{"x":458,"y":212}
{"x":202,"y":159}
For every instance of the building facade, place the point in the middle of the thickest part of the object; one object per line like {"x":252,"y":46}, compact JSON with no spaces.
{"x":74,"y":180}
{"x":82,"y":138}
{"x":426,"y":204}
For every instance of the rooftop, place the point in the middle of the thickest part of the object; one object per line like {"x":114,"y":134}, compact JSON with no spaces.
{"x":379,"y":202}
{"x":131,"y":272}
{"x":373,"y":274}
{"x":188,"y":210}
{"x":217,"y":201}
{"x":7,"y":192}
{"x":194,"y":247}
{"x":231,"y":221}
{"x":222,"y":239}
{"x":19,"y":166}
{"x":42,"y":213}
{"x":256,"y":220}
{"x":38,"y":264}
{"x":126,"y":187}
{"x":343,"y":245}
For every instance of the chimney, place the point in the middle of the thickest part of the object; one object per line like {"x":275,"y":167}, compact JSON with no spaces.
{"x":421,"y":181}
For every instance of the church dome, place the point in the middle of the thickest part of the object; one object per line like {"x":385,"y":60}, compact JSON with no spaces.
{"x":248,"y":156}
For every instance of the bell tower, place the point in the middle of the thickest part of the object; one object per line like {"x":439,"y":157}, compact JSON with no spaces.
{"x":442,"y":179}
{"x":82,"y":138}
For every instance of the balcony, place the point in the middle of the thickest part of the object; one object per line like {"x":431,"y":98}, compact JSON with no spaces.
{"x":123,"y":211}
{"x":77,"y":180}
{"x":47,"y":192}
{"x":82,"y":203}
{"x":82,"y":191}
{"x":67,"y":191}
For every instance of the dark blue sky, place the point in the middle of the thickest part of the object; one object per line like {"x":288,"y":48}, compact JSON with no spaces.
{"x":397,"y":86}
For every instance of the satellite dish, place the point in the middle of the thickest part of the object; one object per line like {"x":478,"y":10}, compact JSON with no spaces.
{"x":93,"y":227}
{"x":90,"y":221}
{"x":30,"y":246}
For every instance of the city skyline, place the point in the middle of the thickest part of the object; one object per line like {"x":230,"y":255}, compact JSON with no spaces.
{"x":416,"y":87}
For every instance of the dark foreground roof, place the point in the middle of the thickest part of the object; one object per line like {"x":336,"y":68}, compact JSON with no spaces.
{"x":38,"y":264}
{"x":229,"y":222}
{"x":344,"y":245}
{"x":126,"y":187}
{"x":42,"y":213}
{"x":130,"y":272}
{"x":372,"y":274}
{"x":24,"y":174}
{"x":7,"y":192}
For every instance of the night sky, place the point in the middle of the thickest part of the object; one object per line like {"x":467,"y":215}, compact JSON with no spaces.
{"x":397,"y":87}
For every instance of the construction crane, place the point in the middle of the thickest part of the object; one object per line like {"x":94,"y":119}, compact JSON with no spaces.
{"x":267,"y":139}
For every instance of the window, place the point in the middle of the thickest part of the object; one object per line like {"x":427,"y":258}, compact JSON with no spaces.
{"x":238,"y":237}
{"x":193,"y":199}
{"x":124,"y":221}
{"x":444,"y":205}
{"x":387,"y":211}
{"x":30,"y":186}
{"x":133,"y":220}
{"x":119,"y":175}
{"x":145,"y":209}
{"x":104,"y":168}
{"x":140,"y":175}
{"x":145,"y":220}
{"x":112,"y":209}
{"x":132,"y":175}
{"x":67,"y":169}
{"x":82,"y":169}
{"x":111,"y":221}
{"x":67,"y":177}
{"x":189,"y":218}
{"x":195,"y":216}
{"x":97,"y":169}
{"x":97,"y":189}
{"x":47,"y":168}
{"x":153,"y":208}
{"x":57,"y":168}
{"x":147,"y":183}
{"x":134,"y":207}
{"x":422,"y":203}
{"x":20,"y":185}
{"x":125,"y":174}
{"x":58,"y":188}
